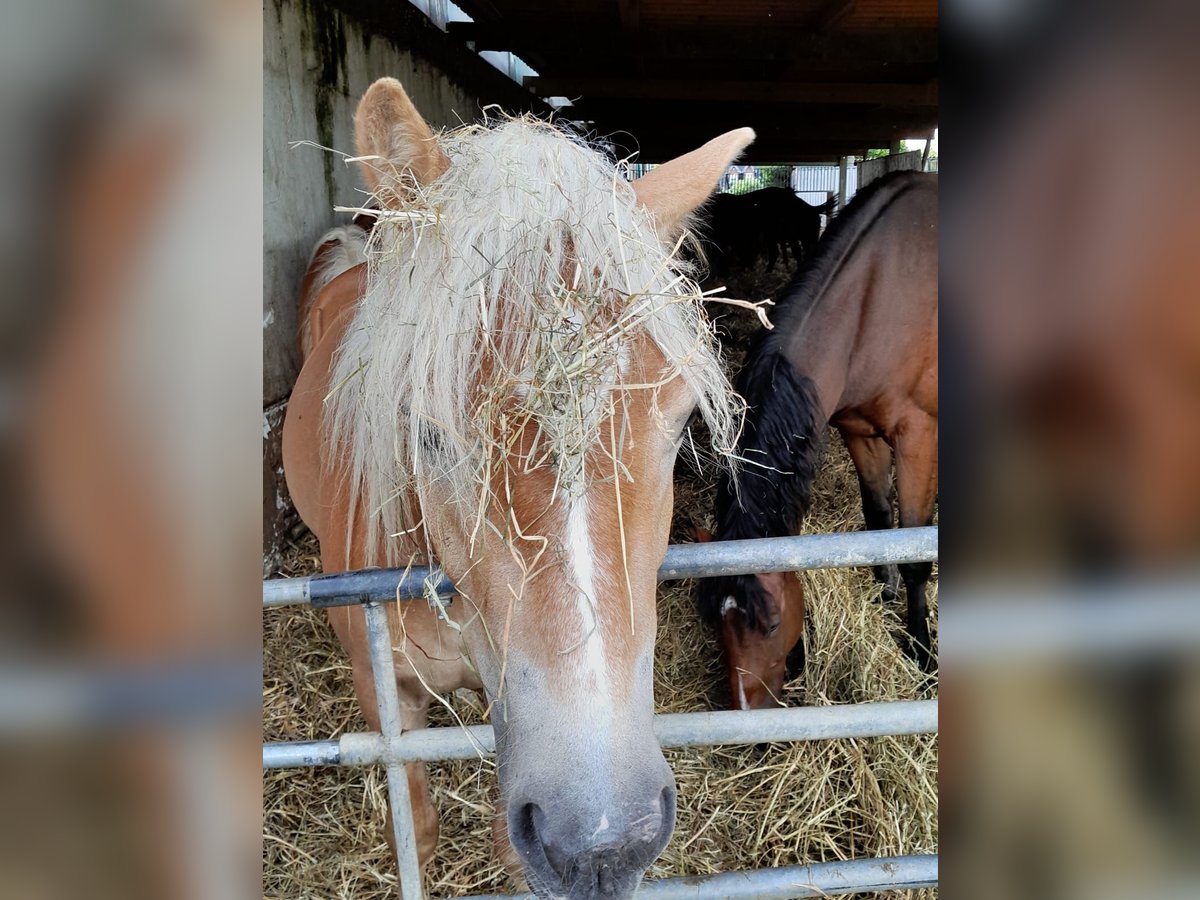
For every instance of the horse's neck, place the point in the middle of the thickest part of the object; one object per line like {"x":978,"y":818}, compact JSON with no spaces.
{"x":343,"y":535}
{"x":826,"y":327}
{"x":822,"y":347}
{"x":781,"y":451}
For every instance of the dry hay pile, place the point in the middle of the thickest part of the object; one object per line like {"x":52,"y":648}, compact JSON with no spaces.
{"x":324,"y":829}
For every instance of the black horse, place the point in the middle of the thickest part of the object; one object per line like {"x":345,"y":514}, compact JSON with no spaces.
{"x":767,"y":222}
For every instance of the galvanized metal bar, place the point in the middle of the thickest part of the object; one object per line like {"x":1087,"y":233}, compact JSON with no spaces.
{"x":811,"y":551}
{"x":856,"y":876}
{"x":354,"y":749}
{"x":302,"y":754}
{"x":781,"y":554}
{"x":285,"y":592}
{"x":345,"y":588}
{"x":388,"y":700}
{"x":805,"y":723}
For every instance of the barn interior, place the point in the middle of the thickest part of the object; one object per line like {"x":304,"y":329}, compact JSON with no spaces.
{"x":817,"y":79}
{"x":820,"y":81}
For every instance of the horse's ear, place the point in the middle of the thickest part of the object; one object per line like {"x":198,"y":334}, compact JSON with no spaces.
{"x":675,"y":189}
{"x":393,"y":140}
{"x":701,"y":534}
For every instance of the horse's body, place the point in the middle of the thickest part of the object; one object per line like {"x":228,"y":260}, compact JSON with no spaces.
{"x":503,"y":387}
{"x":764,"y":223}
{"x":324,"y":504}
{"x":855,"y":346}
{"x":337,"y":251}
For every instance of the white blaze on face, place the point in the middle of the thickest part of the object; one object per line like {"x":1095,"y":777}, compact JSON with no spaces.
{"x":742,"y":704}
{"x":730,"y":603}
{"x":591,"y":653}
{"x":602,"y":827}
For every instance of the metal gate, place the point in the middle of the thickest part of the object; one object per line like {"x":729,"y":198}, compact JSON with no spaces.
{"x":393,"y":748}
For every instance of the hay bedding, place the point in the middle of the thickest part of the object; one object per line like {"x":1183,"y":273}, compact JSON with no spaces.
{"x":324,"y":829}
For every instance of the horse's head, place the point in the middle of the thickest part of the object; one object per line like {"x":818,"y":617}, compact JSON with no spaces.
{"x":761,"y":621}
{"x":528,"y":354}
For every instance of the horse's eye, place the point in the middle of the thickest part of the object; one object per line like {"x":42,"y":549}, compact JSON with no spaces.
{"x":772,"y":628}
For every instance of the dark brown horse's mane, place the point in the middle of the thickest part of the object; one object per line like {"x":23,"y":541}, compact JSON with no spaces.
{"x":780,"y":452}
{"x":782,"y":439}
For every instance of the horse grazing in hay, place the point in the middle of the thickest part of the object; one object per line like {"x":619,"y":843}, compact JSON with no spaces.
{"x":503,"y":387}
{"x":855,"y":345}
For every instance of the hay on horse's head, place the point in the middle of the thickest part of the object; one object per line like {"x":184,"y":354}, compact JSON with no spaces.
{"x":501,"y":296}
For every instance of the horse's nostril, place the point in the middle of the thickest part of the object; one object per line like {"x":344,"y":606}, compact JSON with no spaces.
{"x":538,"y":838}
{"x":523,"y":833}
{"x":606,"y":881}
{"x":603,"y":864}
{"x":528,"y":834}
{"x":522,"y":830}
{"x":667,"y":801}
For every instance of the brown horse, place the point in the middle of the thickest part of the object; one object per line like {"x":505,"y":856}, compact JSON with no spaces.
{"x":503,"y":387}
{"x":855,"y":345}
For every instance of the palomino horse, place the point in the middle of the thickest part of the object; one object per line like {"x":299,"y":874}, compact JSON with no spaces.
{"x":855,"y":345}
{"x":339,"y":250}
{"x":503,"y":387}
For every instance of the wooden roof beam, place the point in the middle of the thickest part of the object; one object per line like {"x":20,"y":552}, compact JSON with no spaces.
{"x":630,"y":13}
{"x":604,"y":38}
{"x":660,"y":139}
{"x":766,"y":155}
{"x":831,"y":14}
{"x":641,"y":89}
{"x":706,"y":120}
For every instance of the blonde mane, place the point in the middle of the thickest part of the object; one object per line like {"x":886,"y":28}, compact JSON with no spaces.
{"x":500,"y":296}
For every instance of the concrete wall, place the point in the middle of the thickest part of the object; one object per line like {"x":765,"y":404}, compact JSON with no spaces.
{"x":317,"y":61}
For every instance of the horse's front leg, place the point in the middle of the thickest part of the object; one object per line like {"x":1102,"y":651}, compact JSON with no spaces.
{"x":350,"y":625}
{"x":873,"y":461}
{"x":916,"y":488}
{"x":414,"y":713}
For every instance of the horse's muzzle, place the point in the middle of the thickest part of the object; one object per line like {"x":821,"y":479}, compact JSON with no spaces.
{"x":606,"y":860}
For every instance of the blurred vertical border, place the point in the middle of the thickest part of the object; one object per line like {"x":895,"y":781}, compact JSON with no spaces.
{"x":1070,"y":605}
{"x":130,"y":662}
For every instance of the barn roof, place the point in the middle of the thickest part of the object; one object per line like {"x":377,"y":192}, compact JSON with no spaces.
{"x":816,"y":79}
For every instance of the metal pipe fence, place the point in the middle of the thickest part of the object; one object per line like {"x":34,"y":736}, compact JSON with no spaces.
{"x":782,"y":554}
{"x":894,"y":873}
{"x":760,"y":726}
{"x":393,"y":748}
